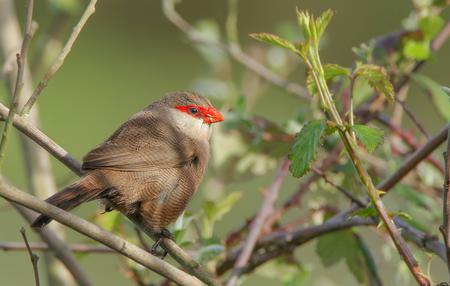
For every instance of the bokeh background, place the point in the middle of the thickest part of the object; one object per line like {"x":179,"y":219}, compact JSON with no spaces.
{"x":129,"y":55}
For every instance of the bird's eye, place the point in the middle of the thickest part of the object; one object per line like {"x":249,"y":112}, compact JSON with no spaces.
{"x":193,"y":110}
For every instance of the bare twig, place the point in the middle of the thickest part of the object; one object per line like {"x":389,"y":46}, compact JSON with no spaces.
{"x":33,"y":257}
{"x":91,"y":230}
{"x":90,"y":9}
{"x":21,"y":60}
{"x":236,"y":53}
{"x":40,"y":246}
{"x":257,"y":224}
{"x":445,"y":227}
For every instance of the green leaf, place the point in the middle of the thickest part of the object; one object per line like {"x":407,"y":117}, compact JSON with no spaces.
{"x":216,"y":210}
{"x":304,"y":149}
{"x":431,"y":26}
{"x":274,"y":40}
{"x":438,"y":95}
{"x":377,"y":78}
{"x":330,"y":71}
{"x":343,"y":244}
{"x":323,"y":21}
{"x":417,"y":50}
{"x":365,"y":212}
{"x":209,"y":252}
{"x":370,"y":137}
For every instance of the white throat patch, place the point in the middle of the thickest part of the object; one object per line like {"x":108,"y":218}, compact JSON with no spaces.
{"x":191,"y":126}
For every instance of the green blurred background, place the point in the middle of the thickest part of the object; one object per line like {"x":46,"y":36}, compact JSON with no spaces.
{"x":129,"y":55}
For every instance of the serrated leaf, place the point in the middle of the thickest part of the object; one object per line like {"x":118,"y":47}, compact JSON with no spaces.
{"x":365,"y":212}
{"x":377,"y":78}
{"x":274,"y":40}
{"x":431,"y":25}
{"x":370,"y":137}
{"x":323,"y":21}
{"x":439,"y":96}
{"x":417,"y":50}
{"x":303,"y":151}
{"x":330,"y":71}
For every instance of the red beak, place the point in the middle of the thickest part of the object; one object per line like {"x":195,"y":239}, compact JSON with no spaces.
{"x":212,"y":115}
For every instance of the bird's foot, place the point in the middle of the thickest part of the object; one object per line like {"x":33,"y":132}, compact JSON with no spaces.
{"x":163,"y":233}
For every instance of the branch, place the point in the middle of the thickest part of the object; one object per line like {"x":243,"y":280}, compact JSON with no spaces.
{"x":33,"y":257}
{"x":93,"y":231}
{"x":234,"y":51}
{"x":90,"y":9}
{"x":40,"y":246}
{"x":21,"y":60}
{"x":445,"y":227}
{"x":258,"y":222}
{"x":64,"y":157}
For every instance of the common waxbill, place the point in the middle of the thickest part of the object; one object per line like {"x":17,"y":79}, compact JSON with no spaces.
{"x":151,"y":166}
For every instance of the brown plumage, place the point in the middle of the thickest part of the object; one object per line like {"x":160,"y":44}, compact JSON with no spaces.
{"x":151,"y":166}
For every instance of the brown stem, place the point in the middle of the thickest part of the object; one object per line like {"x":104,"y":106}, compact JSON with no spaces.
{"x":41,"y":246}
{"x":445,"y":227}
{"x":33,"y":257}
{"x":258,"y":222}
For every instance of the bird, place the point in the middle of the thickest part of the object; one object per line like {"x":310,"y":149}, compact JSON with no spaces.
{"x":151,"y":166}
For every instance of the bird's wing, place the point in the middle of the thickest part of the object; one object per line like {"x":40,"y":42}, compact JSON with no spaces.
{"x":145,"y":142}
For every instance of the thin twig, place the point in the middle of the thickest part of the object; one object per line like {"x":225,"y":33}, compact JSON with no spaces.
{"x":93,"y":231}
{"x":257,"y":224}
{"x":445,"y":227}
{"x":408,"y":139}
{"x":90,"y":9}
{"x":346,"y":193}
{"x":33,"y":257}
{"x":236,"y":53}
{"x":21,"y":59}
{"x":41,"y":246}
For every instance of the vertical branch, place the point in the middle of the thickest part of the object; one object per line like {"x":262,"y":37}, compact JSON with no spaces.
{"x":257,"y":224}
{"x":33,"y":257}
{"x":21,"y":60}
{"x":445,"y":227}
{"x":90,"y":9}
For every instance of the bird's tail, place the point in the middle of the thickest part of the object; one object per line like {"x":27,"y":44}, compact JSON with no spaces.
{"x":87,"y":188}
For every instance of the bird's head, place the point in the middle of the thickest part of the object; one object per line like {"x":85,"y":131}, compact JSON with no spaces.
{"x":192,"y":112}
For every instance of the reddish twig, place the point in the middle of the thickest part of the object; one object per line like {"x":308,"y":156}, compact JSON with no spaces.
{"x":257,"y":224}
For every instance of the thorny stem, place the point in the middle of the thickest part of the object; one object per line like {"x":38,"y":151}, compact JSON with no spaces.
{"x":350,"y":144}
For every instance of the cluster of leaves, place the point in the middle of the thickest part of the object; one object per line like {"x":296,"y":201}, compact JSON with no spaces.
{"x":304,"y":148}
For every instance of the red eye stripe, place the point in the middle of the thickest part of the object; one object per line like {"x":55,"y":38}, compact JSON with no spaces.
{"x":201,"y":111}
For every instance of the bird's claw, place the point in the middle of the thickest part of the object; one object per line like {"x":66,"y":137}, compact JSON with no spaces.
{"x":164,"y":233}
